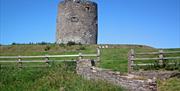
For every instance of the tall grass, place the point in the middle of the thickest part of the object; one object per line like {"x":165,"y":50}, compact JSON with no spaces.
{"x":59,"y":77}
{"x":172,"y":84}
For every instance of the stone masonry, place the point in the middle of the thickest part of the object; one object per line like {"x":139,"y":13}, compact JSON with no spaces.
{"x":130,"y":82}
{"x":77,"y":22}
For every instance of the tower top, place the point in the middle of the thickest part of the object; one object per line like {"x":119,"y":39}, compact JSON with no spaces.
{"x":76,"y":0}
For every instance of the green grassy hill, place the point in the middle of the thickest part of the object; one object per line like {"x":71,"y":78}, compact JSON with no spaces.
{"x":61,"y":76}
{"x":112,"y":58}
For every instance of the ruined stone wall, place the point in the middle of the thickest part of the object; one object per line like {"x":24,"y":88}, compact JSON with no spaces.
{"x":129,"y":81}
{"x":77,"y":22}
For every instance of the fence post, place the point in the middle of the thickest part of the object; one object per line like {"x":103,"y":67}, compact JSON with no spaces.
{"x":19,"y":62}
{"x":47,"y":60}
{"x":80,"y":56}
{"x":131,"y":56}
{"x":161,"y":57}
{"x":98,"y":54}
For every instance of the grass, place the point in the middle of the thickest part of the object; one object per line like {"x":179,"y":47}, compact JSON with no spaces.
{"x":61,"y":77}
{"x":116,"y":58}
{"x":112,"y":58}
{"x":42,"y":49}
{"x":172,"y":84}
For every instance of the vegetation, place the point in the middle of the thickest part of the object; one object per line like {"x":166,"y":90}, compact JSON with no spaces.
{"x":116,"y":58}
{"x":111,"y":58}
{"x":31,"y":43}
{"x":172,"y":84}
{"x":59,"y":77}
{"x":167,"y":64}
{"x":62,"y":77}
{"x":47,"y":48}
{"x":70,"y":43}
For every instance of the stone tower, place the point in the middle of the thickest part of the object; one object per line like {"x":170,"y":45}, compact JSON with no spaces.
{"x":77,"y":22}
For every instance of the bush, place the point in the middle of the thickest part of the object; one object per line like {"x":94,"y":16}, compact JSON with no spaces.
{"x":70,"y":43}
{"x":47,"y":48}
{"x":43,"y":43}
{"x":79,"y":43}
{"x":82,"y":48}
{"x":31,"y":43}
{"x":62,"y":45}
{"x":13,"y":43}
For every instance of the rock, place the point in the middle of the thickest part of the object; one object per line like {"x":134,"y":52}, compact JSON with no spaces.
{"x":149,"y":81}
{"x":118,"y":73}
{"x":129,"y":82}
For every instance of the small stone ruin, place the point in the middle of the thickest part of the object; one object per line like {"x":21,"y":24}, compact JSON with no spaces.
{"x":128,"y":81}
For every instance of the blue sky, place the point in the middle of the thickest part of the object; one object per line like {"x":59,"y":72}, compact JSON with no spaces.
{"x":148,"y":22}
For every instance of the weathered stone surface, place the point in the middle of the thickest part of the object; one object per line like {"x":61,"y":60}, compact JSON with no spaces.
{"x":77,"y":22}
{"x":130,"y":81}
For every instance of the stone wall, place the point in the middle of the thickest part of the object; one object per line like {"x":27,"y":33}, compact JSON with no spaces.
{"x":77,"y":22}
{"x":128,"y":81}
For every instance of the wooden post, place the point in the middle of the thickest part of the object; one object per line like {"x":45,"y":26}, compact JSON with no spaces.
{"x":80,"y":56}
{"x":47,"y":60}
{"x":131,"y":56}
{"x":161,"y":57}
{"x":19,"y":62}
{"x":98,"y":54}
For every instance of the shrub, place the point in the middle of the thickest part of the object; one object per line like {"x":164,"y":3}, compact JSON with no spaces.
{"x":82,"y":48}
{"x":13,"y":43}
{"x":62,"y":45}
{"x":140,"y":45}
{"x":31,"y":43}
{"x":79,"y":43}
{"x":43,"y":43}
{"x":47,"y":48}
{"x":70,"y":43}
